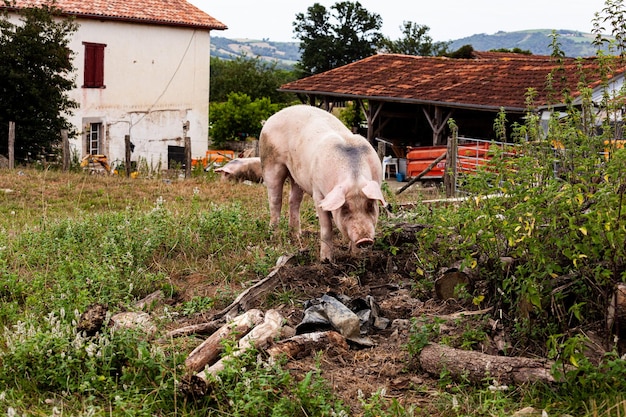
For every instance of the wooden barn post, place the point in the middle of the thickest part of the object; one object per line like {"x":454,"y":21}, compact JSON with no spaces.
{"x":127,"y":155}
{"x":187,"y":157}
{"x":450,"y":175}
{"x":66,"y":150}
{"x":11,"y":145}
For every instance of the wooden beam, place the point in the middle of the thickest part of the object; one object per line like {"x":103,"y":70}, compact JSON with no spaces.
{"x":375,"y":108}
{"x":437,"y":123}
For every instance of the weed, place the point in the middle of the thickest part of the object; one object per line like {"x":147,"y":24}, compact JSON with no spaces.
{"x":53,"y":357}
{"x":421,"y":333}
{"x":197,"y":305}
{"x":254,"y":388}
{"x":378,"y":405}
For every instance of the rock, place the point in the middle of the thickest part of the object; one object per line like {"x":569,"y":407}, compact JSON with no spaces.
{"x":529,"y":412}
{"x":92,"y":319}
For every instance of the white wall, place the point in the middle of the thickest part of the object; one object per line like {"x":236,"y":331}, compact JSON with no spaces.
{"x":156,"y":79}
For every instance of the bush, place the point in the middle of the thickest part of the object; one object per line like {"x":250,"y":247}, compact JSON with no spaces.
{"x":239,"y":118}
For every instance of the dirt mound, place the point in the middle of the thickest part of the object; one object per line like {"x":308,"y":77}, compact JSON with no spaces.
{"x":361,"y":372}
{"x":358,"y":372}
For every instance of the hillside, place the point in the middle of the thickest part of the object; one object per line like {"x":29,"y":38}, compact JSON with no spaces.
{"x":286,"y":54}
{"x":574,"y":44}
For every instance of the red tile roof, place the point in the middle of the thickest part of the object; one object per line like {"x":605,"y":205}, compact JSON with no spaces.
{"x":492,"y":82}
{"x":158,"y":12}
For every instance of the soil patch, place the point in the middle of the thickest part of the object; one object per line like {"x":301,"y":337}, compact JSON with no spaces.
{"x":358,"y":372}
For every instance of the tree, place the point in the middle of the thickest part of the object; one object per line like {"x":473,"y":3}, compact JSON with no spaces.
{"x":415,"y":41}
{"x":464,"y":52}
{"x":250,"y":76}
{"x":515,"y":50}
{"x":35,"y":77}
{"x":239,"y":117}
{"x":329,"y":40}
{"x":613,"y":13}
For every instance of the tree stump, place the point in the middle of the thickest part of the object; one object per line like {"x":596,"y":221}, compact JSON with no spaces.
{"x":616,"y":315}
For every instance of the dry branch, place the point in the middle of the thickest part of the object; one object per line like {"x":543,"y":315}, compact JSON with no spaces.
{"x":244,"y":300}
{"x":150,"y":300}
{"x":209,"y":350}
{"x":202,"y":328}
{"x":461,"y":314}
{"x":477,"y":366}
{"x":260,"y":336}
{"x":302,"y":345}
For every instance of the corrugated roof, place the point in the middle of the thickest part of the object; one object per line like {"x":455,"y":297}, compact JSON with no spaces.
{"x":159,"y":12}
{"x":490,"y":82}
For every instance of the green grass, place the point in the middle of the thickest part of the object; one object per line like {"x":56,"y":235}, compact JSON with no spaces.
{"x":72,"y":240}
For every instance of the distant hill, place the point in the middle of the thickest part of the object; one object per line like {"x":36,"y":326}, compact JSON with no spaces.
{"x":573,"y":44}
{"x":286,"y":54}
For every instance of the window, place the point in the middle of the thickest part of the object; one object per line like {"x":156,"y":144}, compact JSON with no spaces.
{"x":94,"y":139}
{"x":94,"y":65}
{"x":175,"y":157}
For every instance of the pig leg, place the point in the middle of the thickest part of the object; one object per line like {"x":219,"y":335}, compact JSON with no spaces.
{"x":275,"y":177}
{"x":295,"y":199}
{"x":326,"y":234}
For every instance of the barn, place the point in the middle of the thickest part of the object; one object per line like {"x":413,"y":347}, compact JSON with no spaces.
{"x":408,"y":100}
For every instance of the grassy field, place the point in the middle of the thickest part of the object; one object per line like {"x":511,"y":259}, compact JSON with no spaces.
{"x":70,"y":241}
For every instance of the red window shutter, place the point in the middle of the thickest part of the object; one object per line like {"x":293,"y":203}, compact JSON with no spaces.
{"x":94,"y":65}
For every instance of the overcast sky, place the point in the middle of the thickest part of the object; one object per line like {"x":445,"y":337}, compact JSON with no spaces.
{"x":447,"y":19}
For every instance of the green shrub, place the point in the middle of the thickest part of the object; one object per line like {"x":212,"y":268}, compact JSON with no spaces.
{"x":239,"y":118}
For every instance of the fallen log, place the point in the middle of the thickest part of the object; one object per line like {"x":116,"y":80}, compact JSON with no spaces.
{"x":259,"y":337}
{"x":302,"y":345}
{"x":197,"y":385}
{"x":208,"y":351}
{"x":476,"y":366}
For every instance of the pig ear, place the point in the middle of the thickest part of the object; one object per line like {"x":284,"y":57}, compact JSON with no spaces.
{"x":372,"y":190}
{"x":334,"y":199}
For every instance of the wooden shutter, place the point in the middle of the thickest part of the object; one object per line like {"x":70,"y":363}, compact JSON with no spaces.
{"x":94,"y":65}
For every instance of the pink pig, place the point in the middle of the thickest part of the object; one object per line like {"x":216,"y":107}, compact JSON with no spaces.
{"x":241,"y":169}
{"x":322,"y":158}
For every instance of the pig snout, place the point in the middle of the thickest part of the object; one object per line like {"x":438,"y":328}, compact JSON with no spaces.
{"x":364,"y":243}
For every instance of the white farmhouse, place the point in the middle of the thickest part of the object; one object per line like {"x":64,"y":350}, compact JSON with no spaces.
{"x":142,"y":69}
